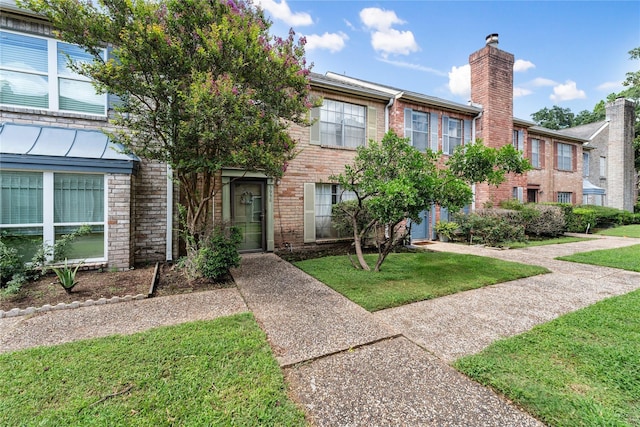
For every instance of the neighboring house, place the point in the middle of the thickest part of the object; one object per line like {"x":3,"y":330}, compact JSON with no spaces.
{"x":58,"y":170}
{"x":608,"y":159}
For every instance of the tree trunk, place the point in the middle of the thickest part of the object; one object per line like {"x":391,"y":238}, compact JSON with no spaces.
{"x":358,"y":245}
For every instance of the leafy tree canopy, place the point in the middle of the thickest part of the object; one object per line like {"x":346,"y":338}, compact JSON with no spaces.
{"x":204,"y":84}
{"x":394,"y":182}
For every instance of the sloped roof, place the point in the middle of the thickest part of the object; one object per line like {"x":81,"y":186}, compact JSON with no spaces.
{"x":37,"y":147}
{"x":585,"y":131}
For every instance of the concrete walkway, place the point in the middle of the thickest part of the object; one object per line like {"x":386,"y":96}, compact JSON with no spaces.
{"x":349,"y":367}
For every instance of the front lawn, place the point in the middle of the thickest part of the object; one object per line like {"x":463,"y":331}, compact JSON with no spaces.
{"x":581,"y":369}
{"x":623,"y":231}
{"x":219,"y":372}
{"x":543,"y":242}
{"x":411,"y":277}
{"x":627,"y":258}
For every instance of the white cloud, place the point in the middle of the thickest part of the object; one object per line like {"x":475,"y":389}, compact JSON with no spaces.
{"x":567,"y":92}
{"x":349,"y":24}
{"x":282,"y":12}
{"x":520,"y":92}
{"x":521,"y":65}
{"x":379,"y":19}
{"x":394,"y":41}
{"x":411,"y":66}
{"x":333,"y":42}
{"x":385,"y":39}
{"x":610,"y":86}
{"x":539,"y":82}
{"x":460,"y":81}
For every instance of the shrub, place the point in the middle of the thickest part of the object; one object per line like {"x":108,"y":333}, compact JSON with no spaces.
{"x":493,"y":227}
{"x":219,"y":253}
{"x":10,"y":263}
{"x":581,"y":220}
{"x":544,"y":220}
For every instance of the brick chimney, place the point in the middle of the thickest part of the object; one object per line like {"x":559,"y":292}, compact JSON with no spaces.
{"x":621,"y":176}
{"x":492,"y":87}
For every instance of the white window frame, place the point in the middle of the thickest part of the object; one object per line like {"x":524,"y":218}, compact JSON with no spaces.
{"x":565,"y":155}
{"x":535,"y":153}
{"x":48,"y":225}
{"x":337,"y":195}
{"x":343,"y":123}
{"x":410,"y":130}
{"x":454,"y":141}
{"x":53,"y":77}
{"x":564,"y":197}
{"x":603,"y":167}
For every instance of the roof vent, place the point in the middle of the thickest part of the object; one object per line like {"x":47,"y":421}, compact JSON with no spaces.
{"x":492,"y":40}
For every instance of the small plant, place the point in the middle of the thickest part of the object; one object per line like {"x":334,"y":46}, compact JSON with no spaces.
{"x":67,"y":276}
{"x":446,"y":230}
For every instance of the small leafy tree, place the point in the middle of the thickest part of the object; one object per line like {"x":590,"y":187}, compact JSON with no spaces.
{"x":204,"y":85}
{"x":393,"y":182}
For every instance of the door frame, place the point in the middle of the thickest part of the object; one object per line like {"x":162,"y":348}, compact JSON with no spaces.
{"x":230,"y":175}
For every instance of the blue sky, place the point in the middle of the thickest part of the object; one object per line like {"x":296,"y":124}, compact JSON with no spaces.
{"x":568,"y":53}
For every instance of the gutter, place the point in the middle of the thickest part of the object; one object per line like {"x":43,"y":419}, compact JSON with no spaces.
{"x":386,"y":110}
{"x":473,"y":139}
{"x":169,"y":231}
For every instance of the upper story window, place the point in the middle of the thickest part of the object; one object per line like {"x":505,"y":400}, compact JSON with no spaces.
{"x":585,"y":164}
{"x":416,"y":128}
{"x":342,"y":124}
{"x":518,"y":140}
{"x":603,"y":167}
{"x":535,"y":157}
{"x":565,"y":157}
{"x":34,"y":73}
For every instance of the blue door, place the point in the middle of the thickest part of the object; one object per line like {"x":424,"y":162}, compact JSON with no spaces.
{"x":420,"y":231}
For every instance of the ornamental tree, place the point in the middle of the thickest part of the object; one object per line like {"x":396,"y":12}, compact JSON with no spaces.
{"x":393,"y":182}
{"x":203,"y":83}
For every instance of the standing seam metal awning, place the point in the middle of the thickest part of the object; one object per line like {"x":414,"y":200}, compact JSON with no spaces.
{"x":591,"y":189}
{"x":30,"y":147}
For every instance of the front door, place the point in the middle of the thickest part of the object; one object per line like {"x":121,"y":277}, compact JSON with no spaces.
{"x":247,"y":213}
{"x":420,"y":231}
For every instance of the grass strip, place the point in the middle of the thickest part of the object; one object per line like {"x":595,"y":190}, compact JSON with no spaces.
{"x":626,"y":258}
{"x":411,"y":277}
{"x":544,"y":242}
{"x":213,"y":373}
{"x":579,"y":370}
{"x":623,"y":231}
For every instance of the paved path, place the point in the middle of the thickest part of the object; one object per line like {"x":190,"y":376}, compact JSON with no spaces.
{"x":348,"y":367}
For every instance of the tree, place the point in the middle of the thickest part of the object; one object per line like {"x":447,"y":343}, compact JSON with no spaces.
{"x":204,"y":85}
{"x":554,"y":118}
{"x":393,"y":182}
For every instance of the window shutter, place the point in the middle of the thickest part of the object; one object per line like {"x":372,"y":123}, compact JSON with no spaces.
{"x":573,"y":198}
{"x":520,"y":194}
{"x":542,"y":150}
{"x":574,"y":158}
{"x":309,"y":212}
{"x":433,"y":123}
{"x":520,"y":140}
{"x":467,"y":131}
{"x":408,"y":124}
{"x":530,"y":149}
{"x":445,"y":134}
{"x":314,"y":137}
{"x":372,"y":124}
{"x":555,"y":155}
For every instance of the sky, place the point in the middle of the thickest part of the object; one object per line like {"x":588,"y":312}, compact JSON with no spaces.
{"x":567,"y":53}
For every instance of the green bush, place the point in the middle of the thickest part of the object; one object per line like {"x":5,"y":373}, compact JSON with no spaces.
{"x":543,"y":220}
{"x":581,"y":220}
{"x":10,"y":264}
{"x":493,"y":227}
{"x":219,"y":253}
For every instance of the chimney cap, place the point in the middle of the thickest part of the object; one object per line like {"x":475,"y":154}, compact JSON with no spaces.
{"x":492,"y":39}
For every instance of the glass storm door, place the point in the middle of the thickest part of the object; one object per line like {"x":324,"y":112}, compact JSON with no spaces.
{"x":247,"y":213}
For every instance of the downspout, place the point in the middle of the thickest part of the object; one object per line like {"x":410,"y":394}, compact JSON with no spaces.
{"x":169,"y":235}
{"x":473,"y":139}
{"x":386,"y":110}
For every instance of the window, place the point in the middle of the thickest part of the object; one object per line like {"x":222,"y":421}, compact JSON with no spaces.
{"x":34,"y":73}
{"x":535,"y":157}
{"x":564,"y":197}
{"x":451,"y":134}
{"x":326,"y":196}
{"x":603,"y":167}
{"x":39,"y":207}
{"x":416,"y":128}
{"x":565,"y":157}
{"x":518,"y":140}
{"x":585,"y":164}
{"x":342,"y":124}
{"x":517,"y":193}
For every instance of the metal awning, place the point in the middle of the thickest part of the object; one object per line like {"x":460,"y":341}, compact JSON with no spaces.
{"x":30,"y":147}
{"x":591,"y":189}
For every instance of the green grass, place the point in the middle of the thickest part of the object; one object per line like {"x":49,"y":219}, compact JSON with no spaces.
{"x":543,"y":242}
{"x":206,"y":373}
{"x":581,"y":369}
{"x":410,"y":277}
{"x":623,"y":231}
{"x":627,"y":258}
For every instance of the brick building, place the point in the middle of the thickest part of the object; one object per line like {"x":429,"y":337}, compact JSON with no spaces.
{"x":58,"y":171}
